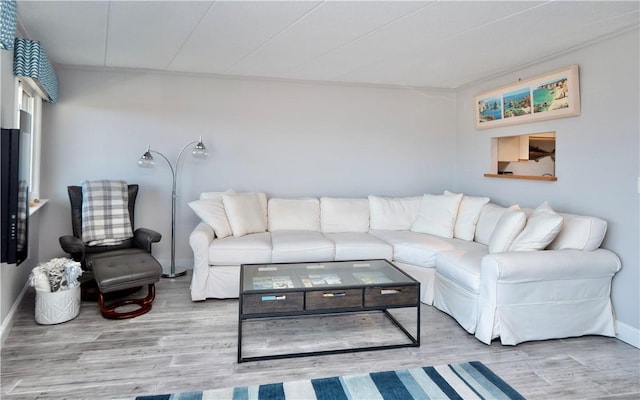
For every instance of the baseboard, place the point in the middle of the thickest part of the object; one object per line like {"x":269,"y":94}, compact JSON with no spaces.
{"x":7,"y":322}
{"x":628,"y":334}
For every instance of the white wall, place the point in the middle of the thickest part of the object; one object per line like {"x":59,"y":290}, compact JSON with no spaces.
{"x":7,"y":89}
{"x":286,"y":139}
{"x":13,"y":277}
{"x":596,"y":159}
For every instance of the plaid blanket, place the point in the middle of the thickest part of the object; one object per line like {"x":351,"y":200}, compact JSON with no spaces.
{"x":105,"y":213}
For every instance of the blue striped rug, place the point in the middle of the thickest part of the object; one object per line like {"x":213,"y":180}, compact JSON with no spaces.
{"x":472,"y":380}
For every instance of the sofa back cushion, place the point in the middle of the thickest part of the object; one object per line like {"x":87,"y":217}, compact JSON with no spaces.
{"x":393,"y":214}
{"x":507,"y":229}
{"x":543,"y":225}
{"x":468,"y":215}
{"x":437,"y":215}
{"x":294,"y":214}
{"x":487,"y":222}
{"x":579,"y":233}
{"x":344,"y":215}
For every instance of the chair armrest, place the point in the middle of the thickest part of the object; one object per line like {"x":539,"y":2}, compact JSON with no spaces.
{"x":71,"y":244}
{"x":144,"y":238}
{"x":546,"y":265}
{"x":200,"y":240}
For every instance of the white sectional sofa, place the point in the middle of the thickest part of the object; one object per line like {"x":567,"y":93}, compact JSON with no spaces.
{"x":519,"y":275}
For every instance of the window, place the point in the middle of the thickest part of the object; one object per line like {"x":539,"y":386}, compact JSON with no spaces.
{"x":29,"y":109}
{"x":530,"y":156}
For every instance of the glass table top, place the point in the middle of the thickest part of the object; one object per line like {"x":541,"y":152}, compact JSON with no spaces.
{"x":336,"y":274}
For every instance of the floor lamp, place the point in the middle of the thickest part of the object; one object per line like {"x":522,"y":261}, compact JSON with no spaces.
{"x":147,"y":161}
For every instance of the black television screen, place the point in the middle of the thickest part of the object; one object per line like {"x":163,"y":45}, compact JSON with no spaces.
{"x":15,"y":196}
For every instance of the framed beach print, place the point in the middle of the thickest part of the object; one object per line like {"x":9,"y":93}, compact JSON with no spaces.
{"x":552,"y":95}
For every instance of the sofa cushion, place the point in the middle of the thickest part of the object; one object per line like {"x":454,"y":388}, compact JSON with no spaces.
{"x":437,"y":215}
{"x":344,"y":215}
{"x":247,"y":212}
{"x":249,"y":249}
{"x":543,"y":225}
{"x":301,"y":246}
{"x":579,"y":233}
{"x":487,"y":222}
{"x":462,"y":267}
{"x":420,"y":249}
{"x":468,"y":215}
{"x":393,"y":214}
{"x":359,"y":246}
{"x":210,"y":209}
{"x":507,"y":229}
{"x":294,"y":214}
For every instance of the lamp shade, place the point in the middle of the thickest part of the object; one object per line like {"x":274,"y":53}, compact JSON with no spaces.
{"x":146,"y":160}
{"x":200,"y":150}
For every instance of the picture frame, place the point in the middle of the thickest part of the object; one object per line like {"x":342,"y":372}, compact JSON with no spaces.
{"x":543,"y":97}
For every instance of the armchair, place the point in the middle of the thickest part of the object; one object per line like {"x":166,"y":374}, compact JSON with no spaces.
{"x":115,"y":268}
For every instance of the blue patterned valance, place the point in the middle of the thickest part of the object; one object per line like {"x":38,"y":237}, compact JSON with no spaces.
{"x":7,"y":23}
{"x":30,"y":60}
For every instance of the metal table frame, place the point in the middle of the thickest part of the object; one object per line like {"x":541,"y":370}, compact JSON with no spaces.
{"x":414,"y":341}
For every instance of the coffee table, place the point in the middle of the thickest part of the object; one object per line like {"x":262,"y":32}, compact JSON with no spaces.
{"x":289,"y":290}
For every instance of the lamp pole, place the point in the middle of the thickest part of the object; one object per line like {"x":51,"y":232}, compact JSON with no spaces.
{"x":146,"y":161}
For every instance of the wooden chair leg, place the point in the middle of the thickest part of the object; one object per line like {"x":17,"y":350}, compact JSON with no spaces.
{"x":109,"y":311}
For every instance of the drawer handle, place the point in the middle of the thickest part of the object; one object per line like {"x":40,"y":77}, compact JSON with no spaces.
{"x":389,"y":291}
{"x":274,"y":298}
{"x":341,"y":294}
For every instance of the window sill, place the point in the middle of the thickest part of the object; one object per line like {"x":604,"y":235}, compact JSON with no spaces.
{"x":525,"y":177}
{"x":37,"y":206}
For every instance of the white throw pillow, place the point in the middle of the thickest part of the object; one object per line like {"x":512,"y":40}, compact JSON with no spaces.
{"x":246,"y":213}
{"x":489,"y":217}
{"x":394,"y":214}
{"x":344,"y":215}
{"x":294,"y":214}
{"x":210,"y":210}
{"x":468,"y":215}
{"x":580,"y":232}
{"x":437,"y":215}
{"x":542,"y":227}
{"x":509,"y":226}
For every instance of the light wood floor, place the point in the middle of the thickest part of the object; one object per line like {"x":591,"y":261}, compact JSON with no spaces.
{"x":186,"y":346}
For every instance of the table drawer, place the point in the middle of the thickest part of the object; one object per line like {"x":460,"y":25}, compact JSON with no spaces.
{"x":264,"y":303}
{"x":391,"y":296}
{"x":332,"y":299}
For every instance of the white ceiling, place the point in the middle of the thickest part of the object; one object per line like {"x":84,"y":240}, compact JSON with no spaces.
{"x":437,"y":44}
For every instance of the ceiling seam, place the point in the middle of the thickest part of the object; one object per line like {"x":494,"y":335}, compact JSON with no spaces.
{"x":448,"y":38}
{"x":275,"y":35}
{"x":186,"y":39}
{"x":360,"y":37}
{"x":106,"y":34}
{"x":475,"y":28}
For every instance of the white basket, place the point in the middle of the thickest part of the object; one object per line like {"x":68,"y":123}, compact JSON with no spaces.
{"x":57,"y":307}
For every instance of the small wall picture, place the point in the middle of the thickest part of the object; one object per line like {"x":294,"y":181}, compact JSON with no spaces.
{"x":548,"y":96}
{"x":551,"y":96}
{"x":517,"y":103}
{"x":490,"y":109}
